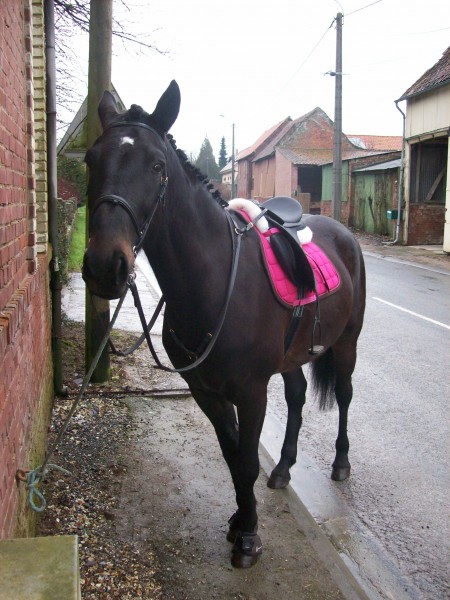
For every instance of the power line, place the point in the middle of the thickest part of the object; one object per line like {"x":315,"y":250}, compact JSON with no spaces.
{"x":362,"y":8}
{"x":309,"y":54}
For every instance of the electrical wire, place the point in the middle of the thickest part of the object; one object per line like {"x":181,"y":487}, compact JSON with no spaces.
{"x":363,"y":7}
{"x":308,"y":55}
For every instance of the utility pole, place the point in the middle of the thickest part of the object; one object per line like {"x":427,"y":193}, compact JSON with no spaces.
{"x":99,"y":80}
{"x":336,"y":198}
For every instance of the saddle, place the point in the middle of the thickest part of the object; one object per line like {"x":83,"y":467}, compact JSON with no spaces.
{"x":285,"y":214}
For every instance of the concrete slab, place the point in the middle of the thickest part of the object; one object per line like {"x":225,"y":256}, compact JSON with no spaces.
{"x":40,"y":568}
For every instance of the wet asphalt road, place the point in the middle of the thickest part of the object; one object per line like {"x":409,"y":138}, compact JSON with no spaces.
{"x":398,"y":427}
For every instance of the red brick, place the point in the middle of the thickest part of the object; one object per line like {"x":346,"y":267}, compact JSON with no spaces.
{"x":25,"y":361}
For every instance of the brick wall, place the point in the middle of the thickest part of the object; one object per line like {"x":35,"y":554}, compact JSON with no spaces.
{"x":25,"y":353}
{"x":326,"y":210}
{"x":425,"y":224}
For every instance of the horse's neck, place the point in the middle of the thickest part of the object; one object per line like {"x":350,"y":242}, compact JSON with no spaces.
{"x":191,"y":254}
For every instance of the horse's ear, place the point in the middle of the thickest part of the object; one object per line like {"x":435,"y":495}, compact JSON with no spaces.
{"x":166,"y":111}
{"x":107,"y":108}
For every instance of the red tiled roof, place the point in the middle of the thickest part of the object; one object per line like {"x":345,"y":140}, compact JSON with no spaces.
{"x":325,"y":157}
{"x":270,"y":147}
{"x":377,"y":142}
{"x":262,"y":139}
{"x":438,"y":75}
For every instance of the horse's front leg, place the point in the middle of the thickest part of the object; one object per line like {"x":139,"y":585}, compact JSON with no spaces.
{"x":247,"y":545}
{"x":240,"y":450}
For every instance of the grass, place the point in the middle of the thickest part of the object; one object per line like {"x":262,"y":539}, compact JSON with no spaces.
{"x":78,"y":244}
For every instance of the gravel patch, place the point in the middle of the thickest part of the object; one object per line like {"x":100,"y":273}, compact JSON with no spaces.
{"x":93,"y":450}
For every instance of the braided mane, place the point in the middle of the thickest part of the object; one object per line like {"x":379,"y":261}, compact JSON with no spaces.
{"x":190,"y":168}
{"x":136,"y":113}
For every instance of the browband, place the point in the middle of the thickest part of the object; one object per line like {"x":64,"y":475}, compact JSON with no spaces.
{"x":134,"y":123}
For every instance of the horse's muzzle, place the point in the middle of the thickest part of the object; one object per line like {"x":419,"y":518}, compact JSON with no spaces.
{"x":106,"y":277}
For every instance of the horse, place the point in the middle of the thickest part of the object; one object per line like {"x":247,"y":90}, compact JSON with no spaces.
{"x":144,"y":193}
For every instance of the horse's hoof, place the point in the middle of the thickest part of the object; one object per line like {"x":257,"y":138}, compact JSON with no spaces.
{"x":340,"y":473}
{"x":246,"y":550}
{"x":278,"y":482}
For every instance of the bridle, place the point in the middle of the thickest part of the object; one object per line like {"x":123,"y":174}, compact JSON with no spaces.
{"x":116,"y":200}
{"x":141,"y":230}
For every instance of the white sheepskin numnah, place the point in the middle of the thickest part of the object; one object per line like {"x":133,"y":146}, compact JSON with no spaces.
{"x":304,"y":235}
{"x":252,"y":210}
{"x":126,"y":140}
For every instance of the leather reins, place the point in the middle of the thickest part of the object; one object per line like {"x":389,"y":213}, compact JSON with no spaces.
{"x":236,"y":240}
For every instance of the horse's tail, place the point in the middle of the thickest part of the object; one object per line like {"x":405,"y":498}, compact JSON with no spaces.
{"x":323,"y":380}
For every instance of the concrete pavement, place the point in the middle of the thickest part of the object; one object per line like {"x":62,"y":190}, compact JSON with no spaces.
{"x":431,"y":257}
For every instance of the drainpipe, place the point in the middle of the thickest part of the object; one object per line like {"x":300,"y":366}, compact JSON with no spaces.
{"x":400,"y":187}
{"x":446,"y":243}
{"x":55,"y":275}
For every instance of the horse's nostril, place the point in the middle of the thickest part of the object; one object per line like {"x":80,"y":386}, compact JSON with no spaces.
{"x":121,"y":269}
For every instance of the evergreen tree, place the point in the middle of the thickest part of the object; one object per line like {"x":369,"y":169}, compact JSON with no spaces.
{"x":222,"y":154}
{"x":206,"y":161}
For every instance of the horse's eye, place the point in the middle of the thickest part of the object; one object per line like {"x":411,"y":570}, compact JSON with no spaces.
{"x":157,"y":167}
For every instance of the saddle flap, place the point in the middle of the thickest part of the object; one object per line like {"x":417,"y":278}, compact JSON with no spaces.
{"x":294,"y":261}
{"x":284,"y":210}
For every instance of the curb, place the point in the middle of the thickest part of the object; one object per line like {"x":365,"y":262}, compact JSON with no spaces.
{"x":358,"y":563}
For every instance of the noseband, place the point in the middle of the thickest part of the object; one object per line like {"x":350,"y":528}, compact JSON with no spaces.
{"x":116,"y":200}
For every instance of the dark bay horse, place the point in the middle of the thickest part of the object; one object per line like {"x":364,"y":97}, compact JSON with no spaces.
{"x":143,"y":192}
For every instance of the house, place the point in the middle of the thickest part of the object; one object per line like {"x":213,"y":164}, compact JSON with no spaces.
{"x":244,"y":159}
{"x":374,"y":194}
{"x":26,"y":256}
{"x":74,"y":141}
{"x":426,"y":157}
{"x":226,"y":175}
{"x":369,"y":182}
{"x":296,"y":160}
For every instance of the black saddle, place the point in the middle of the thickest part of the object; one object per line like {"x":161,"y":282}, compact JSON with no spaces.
{"x":285,"y":213}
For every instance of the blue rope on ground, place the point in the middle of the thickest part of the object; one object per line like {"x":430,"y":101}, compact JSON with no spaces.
{"x":34,"y":477}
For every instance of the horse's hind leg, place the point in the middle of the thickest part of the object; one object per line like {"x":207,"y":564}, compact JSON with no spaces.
{"x":344,"y":366}
{"x":295,"y":391}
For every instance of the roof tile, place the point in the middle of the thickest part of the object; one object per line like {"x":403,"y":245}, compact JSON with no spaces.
{"x":436,"y":76}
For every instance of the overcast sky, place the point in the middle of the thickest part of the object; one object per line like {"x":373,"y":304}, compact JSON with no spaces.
{"x":258,"y":61}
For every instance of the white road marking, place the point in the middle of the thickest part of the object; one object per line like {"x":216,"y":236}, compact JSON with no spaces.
{"x":410,"y":312}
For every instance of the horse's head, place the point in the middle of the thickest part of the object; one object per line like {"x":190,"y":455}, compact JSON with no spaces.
{"x":127,"y":181}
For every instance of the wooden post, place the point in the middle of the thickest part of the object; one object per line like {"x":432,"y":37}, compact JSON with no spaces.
{"x":99,"y":80}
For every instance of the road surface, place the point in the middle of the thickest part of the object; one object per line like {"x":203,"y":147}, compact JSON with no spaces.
{"x":396,"y":501}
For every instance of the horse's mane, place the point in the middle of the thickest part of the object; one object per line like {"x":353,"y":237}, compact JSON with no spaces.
{"x":137,"y":113}
{"x":193,"y":170}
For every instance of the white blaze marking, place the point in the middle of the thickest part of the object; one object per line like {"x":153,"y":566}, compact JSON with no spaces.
{"x":126,"y":140}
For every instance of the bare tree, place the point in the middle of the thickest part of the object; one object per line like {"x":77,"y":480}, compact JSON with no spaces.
{"x":71,"y":20}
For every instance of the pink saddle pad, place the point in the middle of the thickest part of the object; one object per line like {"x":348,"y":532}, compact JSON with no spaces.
{"x":325,"y":273}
